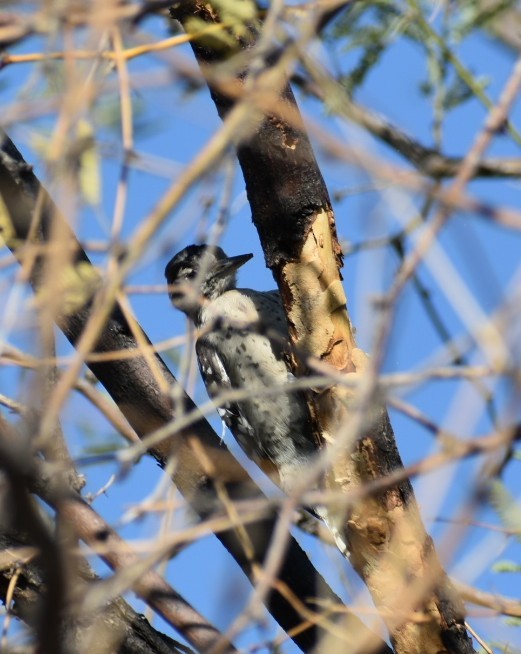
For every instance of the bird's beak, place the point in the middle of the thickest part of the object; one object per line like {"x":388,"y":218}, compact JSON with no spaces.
{"x":230,"y":264}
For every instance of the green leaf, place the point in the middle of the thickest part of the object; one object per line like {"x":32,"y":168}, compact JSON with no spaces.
{"x":90,"y":163}
{"x":506,"y":566}
{"x":507,"y":508}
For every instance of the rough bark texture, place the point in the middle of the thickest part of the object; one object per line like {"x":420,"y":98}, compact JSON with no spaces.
{"x":292,"y":212}
{"x":204,"y":467}
{"x":117,"y":629}
{"x":288,"y":211}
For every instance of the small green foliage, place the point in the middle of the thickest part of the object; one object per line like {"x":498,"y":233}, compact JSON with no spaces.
{"x":237,"y":17}
{"x":108,"y":115}
{"x":506,"y":566}
{"x":236,"y":11}
{"x":81,"y":155}
{"x":89,"y":160}
{"x":367,"y":29}
{"x":7,"y":231}
{"x":459,"y":91}
{"x":508,"y":509}
{"x":220,"y":40}
{"x":456,"y":93}
{"x":173,"y":356}
{"x":72,"y":290}
{"x":504,"y":648}
{"x":513,"y":622}
{"x":98,"y":443}
{"x":475,"y":14}
{"x":369,"y":58}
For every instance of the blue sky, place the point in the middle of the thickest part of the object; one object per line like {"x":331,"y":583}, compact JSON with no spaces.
{"x":175,"y":125}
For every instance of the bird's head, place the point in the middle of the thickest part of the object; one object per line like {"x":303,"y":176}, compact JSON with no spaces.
{"x":201,"y":272}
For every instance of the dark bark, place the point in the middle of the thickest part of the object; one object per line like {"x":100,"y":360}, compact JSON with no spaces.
{"x":286,"y":212}
{"x":134,"y":388}
{"x":63,"y":597}
{"x":132,"y":633}
{"x":287,"y":194}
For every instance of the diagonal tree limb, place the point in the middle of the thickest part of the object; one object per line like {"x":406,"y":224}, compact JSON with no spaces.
{"x":29,"y":474}
{"x":293,"y":215}
{"x":493,"y":601}
{"x":117,"y":625}
{"x":134,"y":388}
{"x":429,"y":161}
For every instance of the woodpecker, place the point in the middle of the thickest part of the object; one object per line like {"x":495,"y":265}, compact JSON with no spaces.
{"x":243,"y":343}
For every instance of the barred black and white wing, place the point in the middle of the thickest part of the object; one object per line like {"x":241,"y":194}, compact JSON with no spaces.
{"x":244,"y":347}
{"x":247,"y":350}
{"x":217,"y":381}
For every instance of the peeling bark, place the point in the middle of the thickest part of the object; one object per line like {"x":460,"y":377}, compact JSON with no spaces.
{"x":205,"y":471}
{"x":292,"y":212}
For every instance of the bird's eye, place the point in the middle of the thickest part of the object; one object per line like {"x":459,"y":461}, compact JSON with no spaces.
{"x":187,"y":274}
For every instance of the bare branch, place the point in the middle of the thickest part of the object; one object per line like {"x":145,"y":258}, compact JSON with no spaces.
{"x":205,"y":472}
{"x":293,"y":215}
